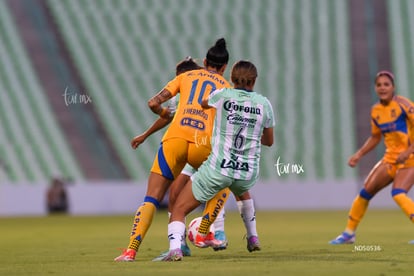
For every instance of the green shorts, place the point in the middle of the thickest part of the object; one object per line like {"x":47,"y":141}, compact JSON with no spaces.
{"x":207,"y":182}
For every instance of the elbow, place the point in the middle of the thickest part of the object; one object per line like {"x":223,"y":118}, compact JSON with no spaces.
{"x":269,"y":144}
{"x":154,"y":106}
{"x":151,"y":104}
{"x":267,"y":137}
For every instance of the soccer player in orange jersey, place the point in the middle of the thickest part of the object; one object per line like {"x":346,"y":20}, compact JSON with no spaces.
{"x":245,"y":203}
{"x":187,"y":139}
{"x":393,"y":118}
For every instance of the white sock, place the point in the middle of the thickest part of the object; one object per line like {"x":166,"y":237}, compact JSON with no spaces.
{"x":176,"y":231}
{"x":184,"y":241}
{"x":248,"y":214}
{"x":219,"y":222}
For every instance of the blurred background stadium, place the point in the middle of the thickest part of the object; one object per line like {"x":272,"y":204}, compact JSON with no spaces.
{"x":75,"y":77}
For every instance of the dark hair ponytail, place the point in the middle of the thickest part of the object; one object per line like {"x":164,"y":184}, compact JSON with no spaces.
{"x":217,"y":55}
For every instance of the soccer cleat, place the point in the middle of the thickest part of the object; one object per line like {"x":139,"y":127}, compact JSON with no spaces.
{"x":344,"y":238}
{"x":253,"y":244}
{"x":411,"y":242}
{"x":207,"y":241}
{"x":184,"y":248}
{"x":221,"y":236}
{"x":127,"y":255}
{"x":170,"y":256}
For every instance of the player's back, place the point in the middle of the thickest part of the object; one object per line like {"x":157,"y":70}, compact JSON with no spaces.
{"x":241,"y":117}
{"x":191,"y":121}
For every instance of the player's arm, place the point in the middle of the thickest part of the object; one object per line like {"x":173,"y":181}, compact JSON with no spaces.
{"x":204,"y":104}
{"x":369,"y":145}
{"x":157,"y":125}
{"x":408,"y":107}
{"x":403,"y":156}
{"x":267,"y":137}
{"x":212,"y":99}
{"x":155,"y":103}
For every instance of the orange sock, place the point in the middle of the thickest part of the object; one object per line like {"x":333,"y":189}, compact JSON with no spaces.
{"x":212,"y":209}
{"x":142,"y":222}
{"x":357,"y":211}
{"x":405,"y":203}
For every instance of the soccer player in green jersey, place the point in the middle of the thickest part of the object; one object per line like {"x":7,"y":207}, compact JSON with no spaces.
{"x":244,"y":121}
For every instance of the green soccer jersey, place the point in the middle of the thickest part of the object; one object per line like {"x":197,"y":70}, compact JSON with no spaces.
{"x":240,"y":119}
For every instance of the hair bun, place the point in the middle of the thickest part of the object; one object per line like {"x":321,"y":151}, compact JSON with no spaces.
{"x":220,"y":43}
{"x":218,"y":55}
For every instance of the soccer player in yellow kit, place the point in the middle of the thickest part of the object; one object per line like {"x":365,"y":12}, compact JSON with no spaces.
{"x":245,"y":203}
{"x":187,"y":139}
{"x":393,"y":118}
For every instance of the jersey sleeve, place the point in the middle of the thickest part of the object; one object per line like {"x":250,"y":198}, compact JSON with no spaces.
{"x":174,"y":85}
{"x":270,"y":116}
{"x":172,"y":104}
{"x":408,"y":107}
{"x":375,"y":130}
{"x":215,"y":97}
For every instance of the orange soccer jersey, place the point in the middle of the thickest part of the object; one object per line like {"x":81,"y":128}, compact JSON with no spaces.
{"x":191,"y":122}
{"x":396,"y":122}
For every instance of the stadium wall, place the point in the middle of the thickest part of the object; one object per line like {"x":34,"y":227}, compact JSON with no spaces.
{"x":109,"y":198}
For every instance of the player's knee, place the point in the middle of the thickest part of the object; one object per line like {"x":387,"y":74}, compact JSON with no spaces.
{"x":152,"y":200}
{"x":364,"y":194}
{"x":395,"y":193}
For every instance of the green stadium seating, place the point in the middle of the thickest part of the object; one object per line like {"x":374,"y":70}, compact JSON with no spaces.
{"x":32,"y":145}
{"x":126,"y":51}
{"x":401,"y":26}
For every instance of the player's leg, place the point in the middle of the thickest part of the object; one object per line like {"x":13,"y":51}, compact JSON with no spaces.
{"x":185,"y":203}
{"x":219,"y":233}
{"x":379,"y":177}
{"x":168,"y":163}
{"x":247,"y":212}
{"x":212,"y":211}
{"x":157,"y":186}
{"x":197,"y":155}
{"x":403,"y":181}
{"x":175,"y":189}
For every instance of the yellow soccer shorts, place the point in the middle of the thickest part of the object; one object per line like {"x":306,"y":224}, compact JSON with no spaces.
{"x":174,"y":153}
{"x":393,"y":167}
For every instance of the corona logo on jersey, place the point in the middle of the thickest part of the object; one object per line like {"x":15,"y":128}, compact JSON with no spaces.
{"x":232,"y":106}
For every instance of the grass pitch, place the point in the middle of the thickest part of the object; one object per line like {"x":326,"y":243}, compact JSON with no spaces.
{"x":293,"y":243}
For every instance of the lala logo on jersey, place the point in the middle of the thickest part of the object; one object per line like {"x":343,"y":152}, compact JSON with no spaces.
{"x":393,"y":113}
{"x":234,"y":164}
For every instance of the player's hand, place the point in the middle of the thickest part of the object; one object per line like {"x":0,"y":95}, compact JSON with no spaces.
{"x":403,"y":157}
{"x":138,"y":140}
{"x":354,"y":159}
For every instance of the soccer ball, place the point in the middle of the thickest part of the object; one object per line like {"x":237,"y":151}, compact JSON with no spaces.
{"x":193,"y":229}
